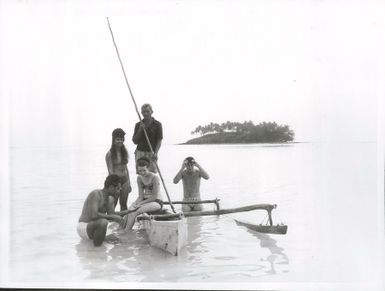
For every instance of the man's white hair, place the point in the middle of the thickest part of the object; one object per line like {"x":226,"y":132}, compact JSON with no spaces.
{"x":146,"y":105}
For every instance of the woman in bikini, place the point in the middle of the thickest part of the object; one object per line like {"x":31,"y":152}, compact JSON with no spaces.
{"x":116,"y":160}
{"x":149,"y":197}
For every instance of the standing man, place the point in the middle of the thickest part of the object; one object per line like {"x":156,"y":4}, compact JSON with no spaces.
{"x":98,"y":210}
{"x":155,"y":135}
{"x":191,"y":173}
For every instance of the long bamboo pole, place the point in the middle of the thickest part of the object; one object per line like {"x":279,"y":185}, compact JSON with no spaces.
{"x":137,"y":111}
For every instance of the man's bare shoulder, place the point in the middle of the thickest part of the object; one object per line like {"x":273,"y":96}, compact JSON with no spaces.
{"x":94,"y":194}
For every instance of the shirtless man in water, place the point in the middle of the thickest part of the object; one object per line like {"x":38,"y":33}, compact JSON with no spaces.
{"x":191,"y":173}
{"x":98,"y":210}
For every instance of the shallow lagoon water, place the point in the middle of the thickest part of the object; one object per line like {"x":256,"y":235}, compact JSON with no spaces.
{"x":326,"y":192}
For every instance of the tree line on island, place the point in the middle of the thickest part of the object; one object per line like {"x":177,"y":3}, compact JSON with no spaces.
{"x":246,"y":132}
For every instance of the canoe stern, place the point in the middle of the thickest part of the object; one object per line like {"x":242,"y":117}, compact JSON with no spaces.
{"x":170,"y":236}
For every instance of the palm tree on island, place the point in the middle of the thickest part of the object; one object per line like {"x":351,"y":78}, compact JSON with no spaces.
{"x":246,"y":132}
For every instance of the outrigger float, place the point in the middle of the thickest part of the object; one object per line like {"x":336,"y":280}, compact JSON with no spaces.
{"x":168,"y":231}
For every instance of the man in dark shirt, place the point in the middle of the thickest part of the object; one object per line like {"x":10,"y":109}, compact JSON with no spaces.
{"x":155,"y":135}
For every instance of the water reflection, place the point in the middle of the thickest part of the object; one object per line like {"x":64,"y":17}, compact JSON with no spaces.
{"x":194,"y":229}
{"x":276,"y":256}
{"x":93,"y":259}
{"x":125,"y":257}
{"x":115,"y":259}
{"x":275,"y":145}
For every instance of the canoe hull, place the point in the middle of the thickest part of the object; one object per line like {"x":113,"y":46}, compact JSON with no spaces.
{"x":170,"y":236}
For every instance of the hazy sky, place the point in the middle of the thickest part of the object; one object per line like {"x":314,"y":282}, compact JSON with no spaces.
{"x":317,"y":66}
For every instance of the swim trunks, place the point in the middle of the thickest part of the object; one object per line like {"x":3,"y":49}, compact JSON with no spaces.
{"x":191,"y":207}
{"x":82,"y":230}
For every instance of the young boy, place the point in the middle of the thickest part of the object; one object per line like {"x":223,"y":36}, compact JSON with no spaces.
{"x":191,"y":173}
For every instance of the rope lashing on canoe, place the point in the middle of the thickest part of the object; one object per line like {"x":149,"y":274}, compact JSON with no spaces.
{"x":268,"y":219}
{"x":280,"y":218}
{"x":137,"y":111}
{"x":265,"y":220}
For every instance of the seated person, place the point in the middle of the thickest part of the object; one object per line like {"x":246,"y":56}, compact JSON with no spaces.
{"x":149,"y":197}
{"x":191,"y":173}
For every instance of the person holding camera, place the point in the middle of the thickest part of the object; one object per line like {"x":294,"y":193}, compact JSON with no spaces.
{"x":191,"y":173}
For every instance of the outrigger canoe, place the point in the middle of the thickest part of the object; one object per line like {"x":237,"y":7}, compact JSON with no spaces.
{"x":168,"y":231}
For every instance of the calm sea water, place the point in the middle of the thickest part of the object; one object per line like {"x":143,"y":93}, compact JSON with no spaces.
{"x":326,"y":193}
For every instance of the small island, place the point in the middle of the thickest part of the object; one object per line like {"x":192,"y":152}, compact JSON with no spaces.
{"x":246,"y":132}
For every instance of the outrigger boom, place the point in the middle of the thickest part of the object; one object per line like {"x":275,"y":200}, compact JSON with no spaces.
{"x":267,"y":228}
{"x":267,"y":207}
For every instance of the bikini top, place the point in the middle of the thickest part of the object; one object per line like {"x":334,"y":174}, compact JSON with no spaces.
{"x":147,"y":189}
{"x":117,"y":162}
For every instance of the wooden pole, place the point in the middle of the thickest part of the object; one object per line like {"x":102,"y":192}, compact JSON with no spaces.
{"x":270,"y":218}
{"x":217,"y":203}
{"x":137,"y":111}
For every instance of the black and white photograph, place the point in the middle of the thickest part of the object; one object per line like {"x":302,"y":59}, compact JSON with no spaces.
{"x":192,"y":145}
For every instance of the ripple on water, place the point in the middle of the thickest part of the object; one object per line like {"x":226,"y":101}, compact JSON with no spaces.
{"x":224,"y":258}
